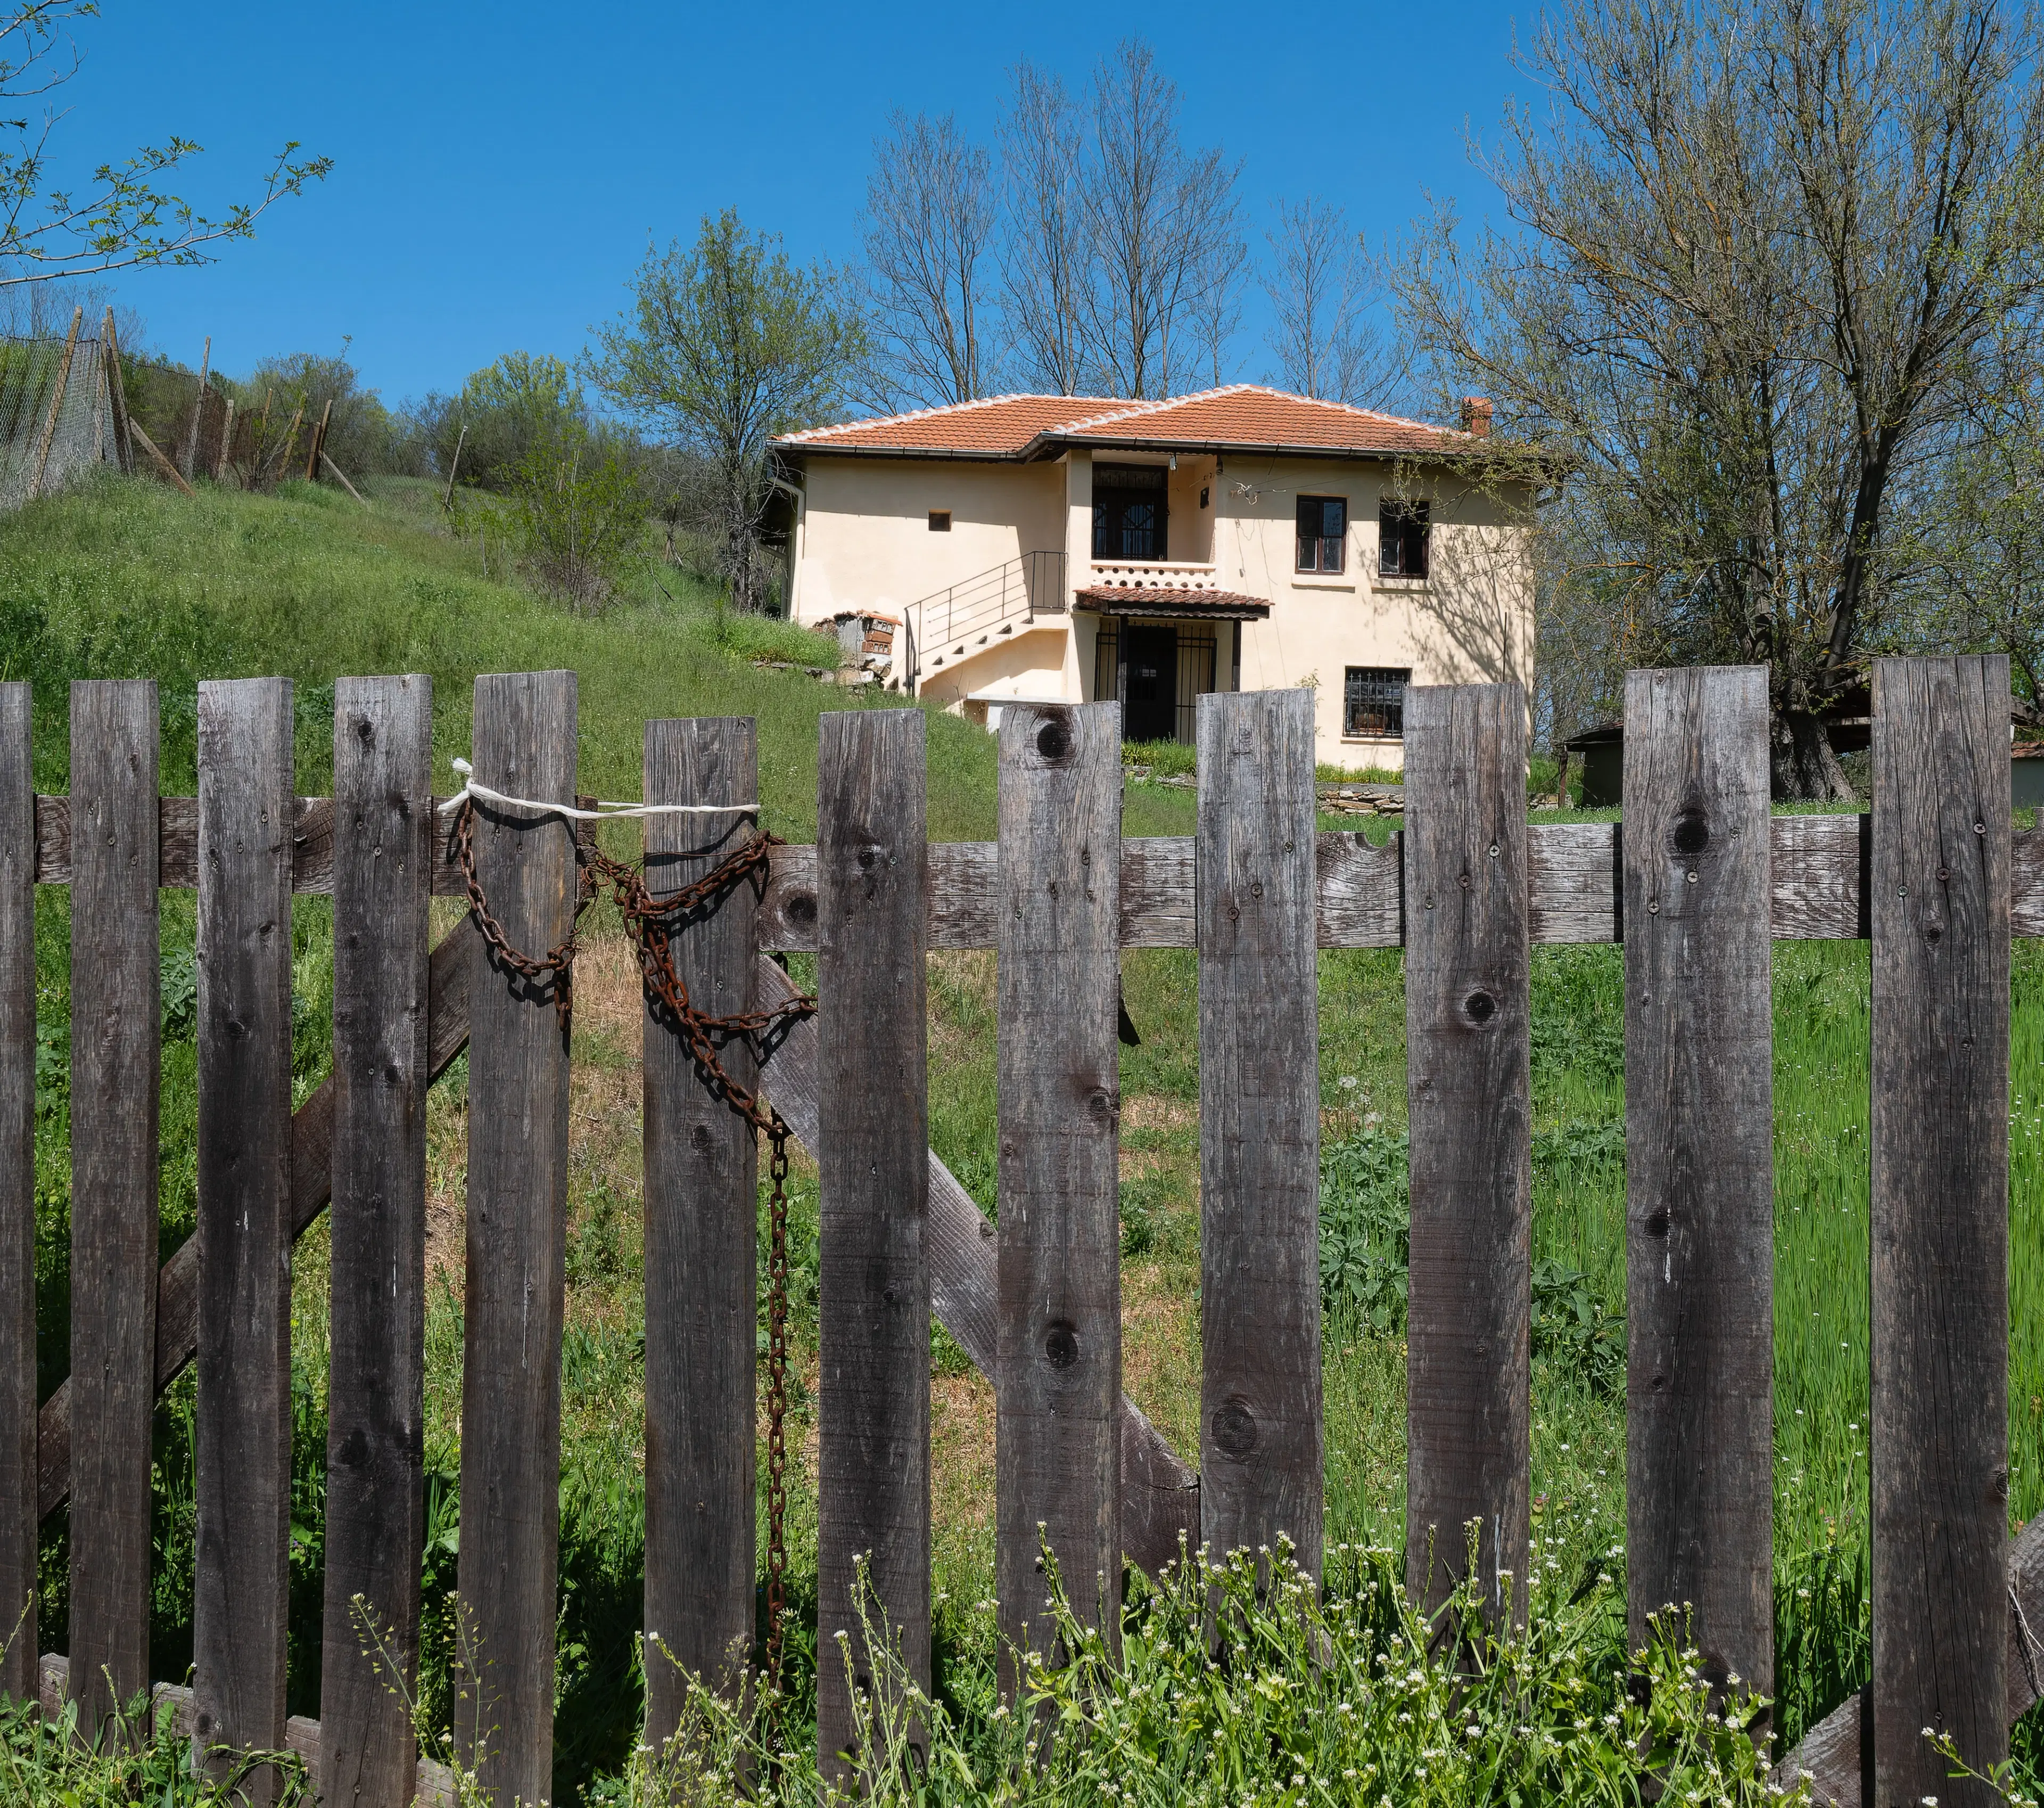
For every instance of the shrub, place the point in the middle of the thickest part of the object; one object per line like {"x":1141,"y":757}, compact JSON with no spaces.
{"x":580,"y":519}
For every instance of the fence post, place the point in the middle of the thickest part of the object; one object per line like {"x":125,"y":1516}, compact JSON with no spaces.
{"x":1467,"y":979}
{"x":1941,"y":822}
{"x":17,"y":1198}
{"x":1699,"y":1166}
{"x":702,"y":1218}
{"x":243,"y":1442}
{"x":382,"y":750}
{"x":1261,"y":1437}
{"x":524,"y":746}
{"x":115,"y":1007}
{"x":874,"y":1308}
{"x":1058,"y":1380}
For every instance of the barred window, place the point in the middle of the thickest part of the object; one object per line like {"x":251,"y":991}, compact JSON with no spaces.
{"x":1401,"y":539}
{"x":1373,"y":702}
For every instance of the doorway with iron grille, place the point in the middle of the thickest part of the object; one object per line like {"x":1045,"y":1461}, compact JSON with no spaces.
{"x":1159,"y":671}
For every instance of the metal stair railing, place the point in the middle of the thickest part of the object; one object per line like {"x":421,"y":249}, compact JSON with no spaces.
{"x":962,"y":617}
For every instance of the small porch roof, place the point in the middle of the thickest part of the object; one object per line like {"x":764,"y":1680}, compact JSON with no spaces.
{"x":1195,"y":605}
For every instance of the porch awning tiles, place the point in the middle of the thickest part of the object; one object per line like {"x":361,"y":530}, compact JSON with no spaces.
{"x":1193,"y":605}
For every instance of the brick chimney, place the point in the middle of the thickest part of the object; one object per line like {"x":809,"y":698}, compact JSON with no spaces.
{"x":1476,"y":416}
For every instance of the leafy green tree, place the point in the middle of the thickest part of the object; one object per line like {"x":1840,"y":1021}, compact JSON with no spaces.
{"x":521,"y":404}
{"x":726,"y":345}
{"x":121,"y":218}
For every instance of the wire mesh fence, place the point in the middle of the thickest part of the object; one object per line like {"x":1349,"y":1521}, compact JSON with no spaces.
{"x":56,"y":419}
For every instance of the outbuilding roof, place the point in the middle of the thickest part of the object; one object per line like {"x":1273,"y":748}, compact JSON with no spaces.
{"x":1237,"y":418}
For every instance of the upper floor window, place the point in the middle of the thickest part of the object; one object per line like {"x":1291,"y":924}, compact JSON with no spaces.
{"x":940,"y":520}
{"x":1322,"y":532}
{"x":1401,"y":539}
{"x":1128,"y":511}
{"x":1374,"y":702}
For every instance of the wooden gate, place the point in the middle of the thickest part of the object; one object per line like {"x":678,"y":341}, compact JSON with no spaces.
{"x":1699,"y":881}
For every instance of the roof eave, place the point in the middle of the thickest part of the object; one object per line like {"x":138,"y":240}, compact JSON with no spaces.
{"x":1267,"y":448}
{"x":811,"y":448}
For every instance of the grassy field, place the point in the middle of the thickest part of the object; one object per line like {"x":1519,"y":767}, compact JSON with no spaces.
{"x":133,"y":580}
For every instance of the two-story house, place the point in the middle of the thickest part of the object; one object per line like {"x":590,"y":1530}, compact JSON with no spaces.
{"x":1072,"y":548}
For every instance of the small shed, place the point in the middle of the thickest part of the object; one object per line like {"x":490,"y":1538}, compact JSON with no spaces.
{"x":2026,"y":758}
{"x":1602,"y":752}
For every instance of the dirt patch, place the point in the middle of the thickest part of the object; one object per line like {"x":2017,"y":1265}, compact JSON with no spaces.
{"x":1152,"y":1111}
{"x":1160,"y":1353}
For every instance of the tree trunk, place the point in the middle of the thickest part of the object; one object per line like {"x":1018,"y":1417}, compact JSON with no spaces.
{"x":1804,"y":769}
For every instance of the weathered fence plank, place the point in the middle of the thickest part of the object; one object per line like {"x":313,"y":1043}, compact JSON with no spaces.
{"x":874,"y":1308}
{"x":524,"y":746}
{"x":1467,"y":980}
{"x":1260,"y":1420}
{"x":242,"y":1444}
{"x":18,"y":1518}
{"x":115,"y":1017}
{"x":1699,"y":1167}
{"x":702,"y":1231}
{"x":1058,"y":1382}
{"x":382,"y":750}
{"x":1940,"y":1220}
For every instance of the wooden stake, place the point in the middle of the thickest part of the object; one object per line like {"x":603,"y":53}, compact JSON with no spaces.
{"x":57,"y":406}
{"x":335,"y":472}
{"x":454,"y":465}
{"x":221,"y":464}
{"x":198,"y":406}
{"x":319,"y":442}
{"x":116,"y":391}
{"x":161,"y":459}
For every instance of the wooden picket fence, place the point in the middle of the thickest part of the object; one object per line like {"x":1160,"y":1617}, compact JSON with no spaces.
{"x":1699,"y":881}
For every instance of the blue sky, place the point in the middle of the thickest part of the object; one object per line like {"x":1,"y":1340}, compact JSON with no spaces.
{"x":499,"y":170}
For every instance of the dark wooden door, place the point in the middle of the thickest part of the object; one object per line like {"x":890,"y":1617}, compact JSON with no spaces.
{"x":1150,"y":709}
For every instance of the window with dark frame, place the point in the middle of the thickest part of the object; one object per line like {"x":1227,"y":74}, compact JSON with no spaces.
{"x":1401,"y":539}
{"x":1374,"y":702}
{"x":940,"y":520}
{"x":1129,"y":510}
{"x":1322,"y":532}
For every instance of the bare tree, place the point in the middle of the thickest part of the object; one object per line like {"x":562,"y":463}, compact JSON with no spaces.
{"x":1045,"y":258}
{"x":931,"y":209}
{"x":1156,"y":216}
{"x":1319,"y":286}
{"x":1756,"y":252}
{"x":1215,"y":314}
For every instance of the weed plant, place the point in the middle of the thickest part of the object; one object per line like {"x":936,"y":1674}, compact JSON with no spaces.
{"x":140,"y":1758}
{"x":1240,"y":1684}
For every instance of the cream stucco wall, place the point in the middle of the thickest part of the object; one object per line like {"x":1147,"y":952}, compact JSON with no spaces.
{"x":1469,"y":620}
{"x":865,"y":540}
{"x":865,"y":544}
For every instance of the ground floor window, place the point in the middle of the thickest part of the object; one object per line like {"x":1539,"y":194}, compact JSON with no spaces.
{"x":1158,"y":670}
{"x":1373,"y":702}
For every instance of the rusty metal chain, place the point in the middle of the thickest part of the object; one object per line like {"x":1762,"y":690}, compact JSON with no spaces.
{"x":650,"y":923}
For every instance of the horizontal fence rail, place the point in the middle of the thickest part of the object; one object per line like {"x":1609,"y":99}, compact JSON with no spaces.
{"x":1816,"y":888}
{"x":1697,"y":884}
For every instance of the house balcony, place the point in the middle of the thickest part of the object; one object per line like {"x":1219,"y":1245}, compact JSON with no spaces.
{"x":1151,"y":575}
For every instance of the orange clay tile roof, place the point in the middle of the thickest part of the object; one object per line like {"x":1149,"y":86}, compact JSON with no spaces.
{"x":1001,"y":425}
{"x":1241,"y":415}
